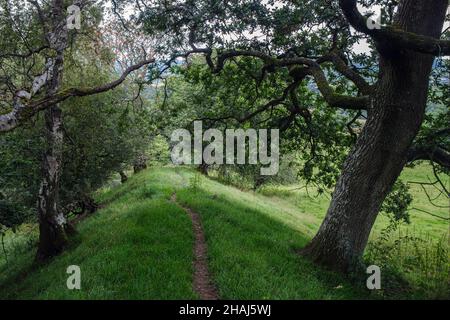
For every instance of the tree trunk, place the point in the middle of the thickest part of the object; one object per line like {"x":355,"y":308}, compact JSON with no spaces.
{"x":140,"y":163}
{"x":203,"y":168}
{"x":53,"y":227}
{"x":123,"y":176}
{"x":380,"y":152}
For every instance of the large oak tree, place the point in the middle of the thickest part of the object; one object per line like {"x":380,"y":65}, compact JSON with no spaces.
{"x":313,"y":41}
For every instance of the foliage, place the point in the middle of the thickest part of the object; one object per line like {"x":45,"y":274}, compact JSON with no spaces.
{"x":410,"y":262}
{"x":252,"y":241}
{"x":229,"y":90}
{"x":195,"y":182}
{"x":103,"y":135}
{"x":316,"y":149}
{"x":158,"y":151}
{"x":397,"y":202}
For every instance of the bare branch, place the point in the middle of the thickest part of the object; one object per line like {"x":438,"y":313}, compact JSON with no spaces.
{"x":431,"y":214}
{"x":271,"y":104}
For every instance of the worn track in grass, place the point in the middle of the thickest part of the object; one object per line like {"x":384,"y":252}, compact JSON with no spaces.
{"x":202,"y":279}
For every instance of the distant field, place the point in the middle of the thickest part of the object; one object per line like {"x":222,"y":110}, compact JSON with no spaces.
{"x":422,"y":223}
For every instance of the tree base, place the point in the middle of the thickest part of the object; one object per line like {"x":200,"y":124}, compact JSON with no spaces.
{"x":334,"y":260}
{"x":53,"y":241}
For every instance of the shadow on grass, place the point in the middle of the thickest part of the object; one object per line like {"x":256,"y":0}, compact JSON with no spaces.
{"x":253,"y":256}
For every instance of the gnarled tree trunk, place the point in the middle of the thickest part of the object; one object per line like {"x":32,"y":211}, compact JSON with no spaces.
{"x":381,"y":150}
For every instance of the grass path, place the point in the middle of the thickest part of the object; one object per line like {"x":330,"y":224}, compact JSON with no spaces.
{"x":202,"y":283}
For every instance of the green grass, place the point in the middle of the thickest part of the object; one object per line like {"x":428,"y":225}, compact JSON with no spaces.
{"x":417,"y":252}
{"x":140,"y":245}
{"x":253,"y":246}
{"x":422,"y":224}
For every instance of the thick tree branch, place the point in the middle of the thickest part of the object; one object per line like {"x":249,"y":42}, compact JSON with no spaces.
{"x":333,"y":99}
{"x":432,"y":153}
{"x":312,"y":68}
{"x":392,"y":35}
{"x":271,"y":104}
{"x":349,"y":73}
{"x":22,"y":111}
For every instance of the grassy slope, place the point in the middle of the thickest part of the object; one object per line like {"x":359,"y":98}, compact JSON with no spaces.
{"x":253,"y":243}
{"x":140,"y":246}
{"x":422,"y":224}
{"x":418,"y":252}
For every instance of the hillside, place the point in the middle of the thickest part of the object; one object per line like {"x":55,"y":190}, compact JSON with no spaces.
{"x":140,"y":246}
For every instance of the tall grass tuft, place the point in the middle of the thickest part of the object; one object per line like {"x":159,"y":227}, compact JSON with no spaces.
{"x":412,"y":262}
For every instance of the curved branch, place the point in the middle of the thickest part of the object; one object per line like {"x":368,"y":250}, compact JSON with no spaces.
{"x":363,"y":86}
{"x":431,"y":214}
{"x":23,"y":111}
{"x":271,"y":104}
{"x":432,"y":153}
{"x":392,"y":35}
{"x":313,"y":68}
{"x":333,"y":99}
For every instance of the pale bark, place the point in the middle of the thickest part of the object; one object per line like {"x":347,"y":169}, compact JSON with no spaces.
{"x":53,"y":226}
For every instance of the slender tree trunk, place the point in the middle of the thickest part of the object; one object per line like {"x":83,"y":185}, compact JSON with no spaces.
{"x":203,"y":168}
{"x":123,"y":176}
{"x":380,"y":152}
{"x":53,"y":227}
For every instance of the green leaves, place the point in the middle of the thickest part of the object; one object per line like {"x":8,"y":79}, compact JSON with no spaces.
{"x":397,"y":202}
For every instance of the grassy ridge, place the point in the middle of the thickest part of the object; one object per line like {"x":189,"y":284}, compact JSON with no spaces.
{"x":253,"y":247}
{"x":140,"y":245}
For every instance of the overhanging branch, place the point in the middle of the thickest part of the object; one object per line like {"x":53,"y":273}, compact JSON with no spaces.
{"x":312,"y":68}
{"x":22,"y":111}
{"x":363,"y":86}
{"x":432,"y":153}
{"x":333,"y":99}
{"x":394,"y":36}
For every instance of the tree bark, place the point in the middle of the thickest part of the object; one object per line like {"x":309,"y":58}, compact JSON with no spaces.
{"x":123,"y":176}
{"x":53,"y":227}
{"x":140,"y":163}
{"x":381,"y":150}
{"x":203,"y":168}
